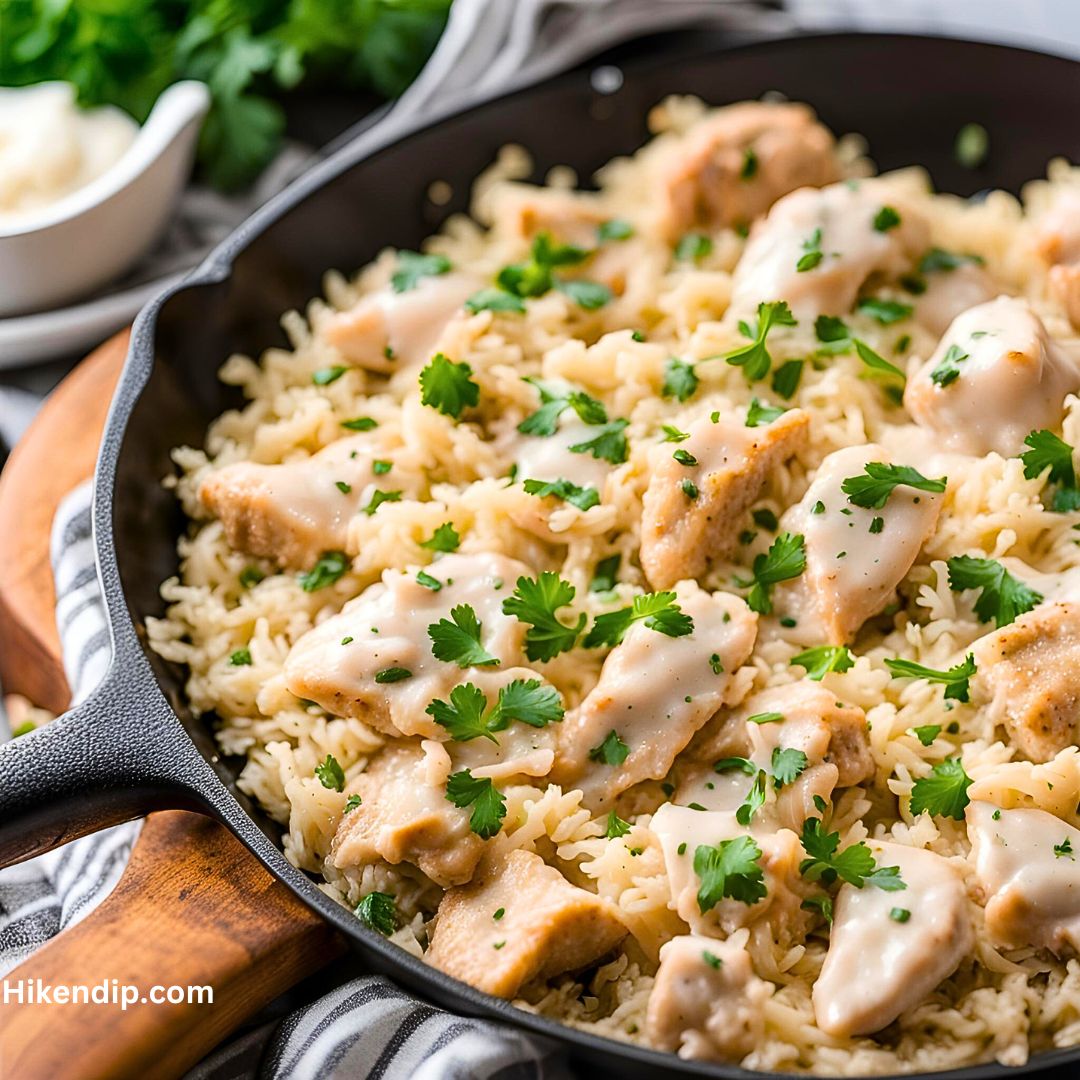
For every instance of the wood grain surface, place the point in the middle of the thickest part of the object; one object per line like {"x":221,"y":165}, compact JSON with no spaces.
{"x":194,"y":908}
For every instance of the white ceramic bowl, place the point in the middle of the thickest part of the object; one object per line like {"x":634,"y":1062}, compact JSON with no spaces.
{"x":97,"y":232}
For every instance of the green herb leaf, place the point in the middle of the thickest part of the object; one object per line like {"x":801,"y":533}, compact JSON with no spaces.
{"x":673,"y":434}
{"x":1002,"y":597}
{"x":693,"y":247}
{"x":612,"y":751}
{"x":786,"y":378}
{"x":444,"y":538}
{"x":872,"y":489}
{"x":535,"y":601}
{"x":948,"y":369}
{"x":680,"y":379}
{"x":616,"y":827}
{"x":378,"y":911}
{"x":729,"y":870}
{"x":614,"y":229}
{"x":812,"y":253}
{"x":855,"y":864}
{"x":788,"y":764}
{"x":360,"y":423}
{"x":495,"y":299}
{"x":753,"y":802}
{"x":785,"y":559}
{"x":608,"y":444}
{"x":330,"y":567}
{"x":955,"y":680}
{"x":944,"y":793}
{"x":378,"y":498}
{"x":330,"y":774}
{"x":927,"y":733}
{"x":658,"y":611}
{"x":589,"y":295}
{"x":749,"y":164}
{"x":392,"y":675}
{"x":729,"y":763}
{"x":458,"y":642}
{"x":447,"y":386}
{"x":325,"y":376}
{"x":412,"y":267}
{"x":351,"y":803}
{"x":876,"y":362}
{"x":885,"y":312}
{"x":937,"y":259}
{"x":885,"y":219}
{"x":1048,"y":451}
{"x":822,"y":659}
{"x":584,"y":498}
{"x":755,"y":358}
{"x":606,"y":574}
{"x":759,"y":413}
{"x":240,"y":658}
{"x":487,"y":802}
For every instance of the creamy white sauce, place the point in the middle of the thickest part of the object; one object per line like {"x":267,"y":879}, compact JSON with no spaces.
{"x":951,"y":292}
{"x":877,"y":966}
{"x":50,"y":148}
{"x":548,"y":457}
{"x":851,"y":570}
{"x":1013,"y":380}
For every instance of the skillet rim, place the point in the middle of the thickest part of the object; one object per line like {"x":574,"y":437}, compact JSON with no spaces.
{"x":198,"y":779}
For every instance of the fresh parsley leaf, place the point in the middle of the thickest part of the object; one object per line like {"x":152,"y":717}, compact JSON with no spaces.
{"x":693,"y":247}
{"x":875,"y":362}
{"x":351,"y":803}
{"x":467,"y":716}
{"x":584,"y":498}
{"x":785,"y":559}
{"x":326,"y":376}
{"x":822,"y":659}
{"x":786,"y":378}
{"x":673,"y":434}
{"x":939,"y":259}
{"x":1048,"y":451}
{"x":240,"y":658}
{"x":749,"y":164}
{"x":463,"y":718}
{"x":886,"y":218}
{"x":955,"y":680}
{"x":829,"y":330}
{"x":788,"y":764}
{"x":487,"y":802}
{"x":553,"y":403}
{"x":729,"y":870}
{"x":755,"y":358}
{"x":250,"y":576}
{"x":535,"y":601}
{"x":614,"y":229}
{"x":444,"y":538}
{"x":821,"y":904}
{"x":680,"y":379}
{"x":458,"y":642}
{"x":855,"y":864}
{"x":742,"y":764}
{"x":616,"y":827}
{"x":944,"y":793}
{"x":1002,"y":597}
{"x":495,"y":299}
{"x":412,"y":267}
{"x":330,"y":774}
{"x":392,"y":675}
{"x":948,"y":369}
{"x":378,"y":911}
{"x":606,"y":574}
{"x":812,"y":253}
{"x":330,"y":567}
{"x":759,"y":413}
{"x":927,"y":733}
{"x":589,"y":295}
{"x":608,"y":444}
{"x":612,"y":751}
{"x":1064,"y":850}
{"x":379,"y":497}
{"x":684,"y":457}
{"x":764,"y":517}
{"x":885,"y":312}
{"x":360,"y":423}
{"x":447,"y":386}
{"x":658,"y":611}
{"x":765,"y":718}
{"x":753,"y":802}
{"x":872,"y":489}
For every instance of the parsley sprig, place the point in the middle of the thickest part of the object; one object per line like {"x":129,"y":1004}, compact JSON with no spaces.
{"x":1048,"y":451}
{"x":1002,"y":597}
{"x":855,"y":864}
{"x":836,"y":338}
{"x":487,"y":801}
{"x":448,"y":386}
{"x":413,"y":267}
{"x":584,"y":498}
{"x":822,"y":659}
{"x":457,"y":640}
{"x":730,"y":869}
{"x":536,"y":601}
{"x":536,"y":275}
{"x":872,"y":488}
{"x":955,"y":679}
{"x":467,"y":716}
{"x":755,"y":358}
{"x":554,"y":401}
{"x":658,"y":611}
{"x":944,"y":793}
{"x":785,"y":559}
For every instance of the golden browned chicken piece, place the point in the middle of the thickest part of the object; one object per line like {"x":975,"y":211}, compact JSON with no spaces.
{"x":292,"y":513}
{"x":681,"y":536}
{"x":404,"y":816}
{"x":520,"y":920}
{"x":735,"y":164}
{"x":1057,"y":235}
{"x":706,"y":1002}
{"x":1030,"y":673}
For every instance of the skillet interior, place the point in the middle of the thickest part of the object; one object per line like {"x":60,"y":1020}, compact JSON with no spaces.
{"x":907,"y":95}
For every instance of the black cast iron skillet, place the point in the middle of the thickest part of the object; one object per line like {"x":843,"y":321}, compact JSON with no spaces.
{"x":135,"y":747}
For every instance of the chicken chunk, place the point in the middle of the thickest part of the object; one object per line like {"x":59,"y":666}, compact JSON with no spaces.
{"x":996,"y":376}
{"x":654,"y":692}
{"x":389,"y":331}
{"x":682,"y":830}
{"x":706,"y":1002}
{"x":1057,"y":234}
{"x":880,"y":961}
{"x":520,"y":920}
{"x":1029,"y":672}
{"x":293,"y":512}
{"x":950,"y":292}
{"x":855,"y":556}
{"x":404,"y":816}
{"x":732,"y":166}
{"x":1025,"y":861}
{"x":520,"y":211}
{"x":374,"y":659}
{"x":682,"y":536}
{"x":842,"y":223}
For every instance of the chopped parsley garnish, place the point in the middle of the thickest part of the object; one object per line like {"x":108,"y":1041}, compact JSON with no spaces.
{"x":927,"y":733}
{"x":458,"y":642}
{"x":785,"y":559}
{"x":680,"y":379}
{"x":605,"y":575}
{"x":836,"y":338}
{"x":689,"y":489}
{"x":444,"y":538}
{"x":411,"y":267}
{"x":448,"y":386}
{"x":1064,"y":850}
{"x":325,"y":376}
{"x":378,"y":911}
{"x":658,"y":611}
{"x":955,"y":680}
{"x":812,"y":253}
{"x":786,"y":377}
{"x":855,"y":864}
{"x":392,"y":675}
{"x":330,"y":774}
{"x":240,"y":658}
{"x":885,"y":312}
{"x":467,"y":715}
{"x":584,"y":498}
{"x":716,"y":664}
{"x":693,"y":247}
{"x":343,"y":487}
{"x":614,"y":229}
{"x":875,"y":361}
{"x":381,"y":468}
{"x":753,"y":802}
{"x":788,"y":764}
{"x":1002,"y":596}
{"x":360,"y":423}
{"x":351,"y":803}
{"x":944,"y":793}
{"x":765,"y":718}
{"x":330,"y":567}
{"x":877,"y":525}
{"x":429,"y":582}
{"x":971,"y":146}
{"x":673,"y":434}
{"x":939,"y":259}
{"x":731,"y":870}
{"x":612,"y":751}
{"x":589,"y":295}
{"x":742,"y":764}
{"x":755,"y":358}
{"x":749,"y":164}
{"x":1048,"y":451}
{"x":379,"y":497}
{"x":535,"y":601}
{"x":495,"y":299}
{"x":886,"y":218}
{"x":872,"y":489}
{"x":487,"y":801}
{"x":764,"y":517}
{"x":608,"y":444}
{"x":822,"y":659}
{"x":684,"y":457}
{"x":250,"y":576}
{"x":616,"y":827}
{"x":554,"y":402}
{"x":948,"y":370}
{"x":821,"y":904}
{"x":498,"y":913}
{"x":534,"y":277}
{"x":759,"y":413}
{"x":712,"y":959}
{"x":899,"y":914}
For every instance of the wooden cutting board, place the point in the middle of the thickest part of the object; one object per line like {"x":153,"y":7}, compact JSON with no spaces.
{"x":194,"y":908}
